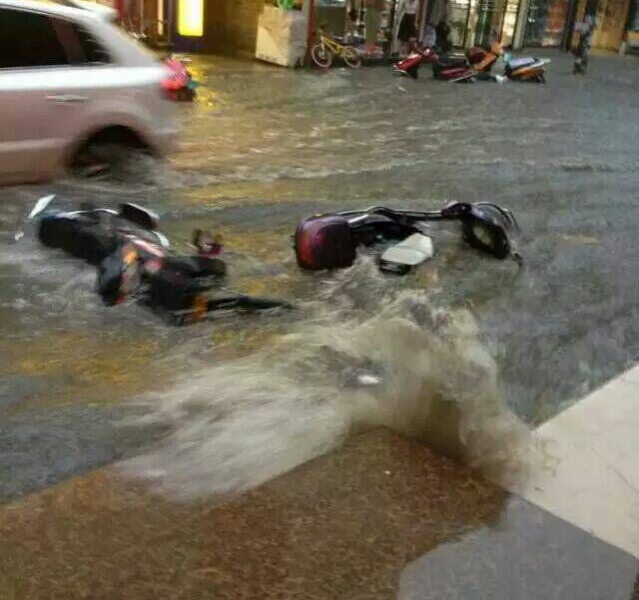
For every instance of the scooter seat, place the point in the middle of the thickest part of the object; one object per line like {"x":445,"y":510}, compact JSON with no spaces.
{"x":450,"y":61}
{"x":517,"y":63}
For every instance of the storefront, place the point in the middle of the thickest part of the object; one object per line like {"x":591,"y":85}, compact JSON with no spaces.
{"x":378,"y":28}
{"x":615,"y":21}
{"x":611,"y":24}
{"x":546,"y":22}
{"x":476,"y":22}
{"x":632,"y":35}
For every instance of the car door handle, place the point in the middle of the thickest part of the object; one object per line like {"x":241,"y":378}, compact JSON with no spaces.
{"x":67,"y":99}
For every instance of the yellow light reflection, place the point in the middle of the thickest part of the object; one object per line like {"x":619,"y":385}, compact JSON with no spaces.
{"x":191,"y":18}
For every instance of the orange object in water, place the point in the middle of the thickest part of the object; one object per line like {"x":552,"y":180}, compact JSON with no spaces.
{"x":199,"y":309}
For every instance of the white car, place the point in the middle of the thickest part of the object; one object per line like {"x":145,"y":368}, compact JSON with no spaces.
{"x":76,"y":94}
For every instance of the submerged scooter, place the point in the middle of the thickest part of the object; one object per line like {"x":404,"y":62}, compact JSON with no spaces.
{"x":134,"y":261}
{"x":330,"y":241}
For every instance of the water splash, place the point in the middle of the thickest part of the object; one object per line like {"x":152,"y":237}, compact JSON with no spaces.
{"x":368,"y":356}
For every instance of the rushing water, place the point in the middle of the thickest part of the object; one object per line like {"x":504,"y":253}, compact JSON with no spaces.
{"x":364,"y":357}
{"x":449,"y":354}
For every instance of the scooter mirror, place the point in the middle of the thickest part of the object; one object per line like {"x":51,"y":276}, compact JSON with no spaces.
{"x":40,"y":206}
{"x":488,"y":228}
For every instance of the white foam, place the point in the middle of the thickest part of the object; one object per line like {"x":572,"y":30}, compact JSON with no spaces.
{"x":426,"y":374}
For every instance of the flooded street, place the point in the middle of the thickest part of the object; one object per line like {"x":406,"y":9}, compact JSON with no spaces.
{"x":263,"y":147}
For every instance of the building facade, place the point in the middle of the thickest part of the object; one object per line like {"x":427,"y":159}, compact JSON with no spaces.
{"x":230,"y":27}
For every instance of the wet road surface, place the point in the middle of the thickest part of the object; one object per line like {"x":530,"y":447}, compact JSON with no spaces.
{"x":263,"y":147}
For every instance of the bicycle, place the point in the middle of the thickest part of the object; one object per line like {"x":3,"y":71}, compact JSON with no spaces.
{"x":327,"y":48}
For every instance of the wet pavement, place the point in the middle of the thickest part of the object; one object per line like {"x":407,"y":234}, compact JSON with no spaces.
{"x":382,"y":518}
{"x":263,"y":147}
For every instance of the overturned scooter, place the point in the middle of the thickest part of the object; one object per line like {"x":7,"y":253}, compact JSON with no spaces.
{"x":134,"y":260}
{"x":330,"y":241}
{"x":475,"y":64}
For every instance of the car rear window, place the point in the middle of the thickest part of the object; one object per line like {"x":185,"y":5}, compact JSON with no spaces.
{"x":29,"y":40}
{"x":33,"y":40}
{"x":81,"y":47}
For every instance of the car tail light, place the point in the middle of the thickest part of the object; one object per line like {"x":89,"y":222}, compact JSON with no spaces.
{"x":172,"y":80}
{"x":169,"y":85}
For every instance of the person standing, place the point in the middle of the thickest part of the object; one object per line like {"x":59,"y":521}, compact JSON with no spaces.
{"x":443,"y":36}
{"x":408,"y":25}
{"x":374,"y":9}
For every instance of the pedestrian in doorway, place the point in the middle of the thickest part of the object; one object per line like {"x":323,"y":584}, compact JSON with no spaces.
{"x":374,"y":9}
{"x":408,"y":26}
{"x":586,"y":29}
{"x":443,"y":37}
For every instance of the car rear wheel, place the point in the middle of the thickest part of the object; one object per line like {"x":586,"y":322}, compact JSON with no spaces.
{"x":115,"y":153}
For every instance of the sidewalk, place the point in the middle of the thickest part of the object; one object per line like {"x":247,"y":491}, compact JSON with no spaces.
{"x":382,"y":518}
{"x":593,"y":479}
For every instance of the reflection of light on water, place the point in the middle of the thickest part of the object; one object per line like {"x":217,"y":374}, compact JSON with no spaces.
{"x":237,"y":424}
{"x":100,"y":367}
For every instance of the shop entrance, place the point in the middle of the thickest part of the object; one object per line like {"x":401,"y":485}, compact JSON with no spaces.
{"x":611,"y":22}
{"x":546,"y":22}
{"x":373,"y":26}
{"x":358,"y":22}
{"x":471,"y":22}
{"x":481,"y":22}
{"x":489,"y":21}
{"x":612,"y":16}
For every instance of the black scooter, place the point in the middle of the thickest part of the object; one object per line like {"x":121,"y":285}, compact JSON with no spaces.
{"x":330,"y":241}
{"x":134,"y":260}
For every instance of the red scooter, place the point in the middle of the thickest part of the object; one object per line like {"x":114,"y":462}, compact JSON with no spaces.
{"x":409,"y":66}
{"x":459,"y":67}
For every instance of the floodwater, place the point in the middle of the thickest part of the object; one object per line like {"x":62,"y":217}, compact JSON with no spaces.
{"x":467,"y":348}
